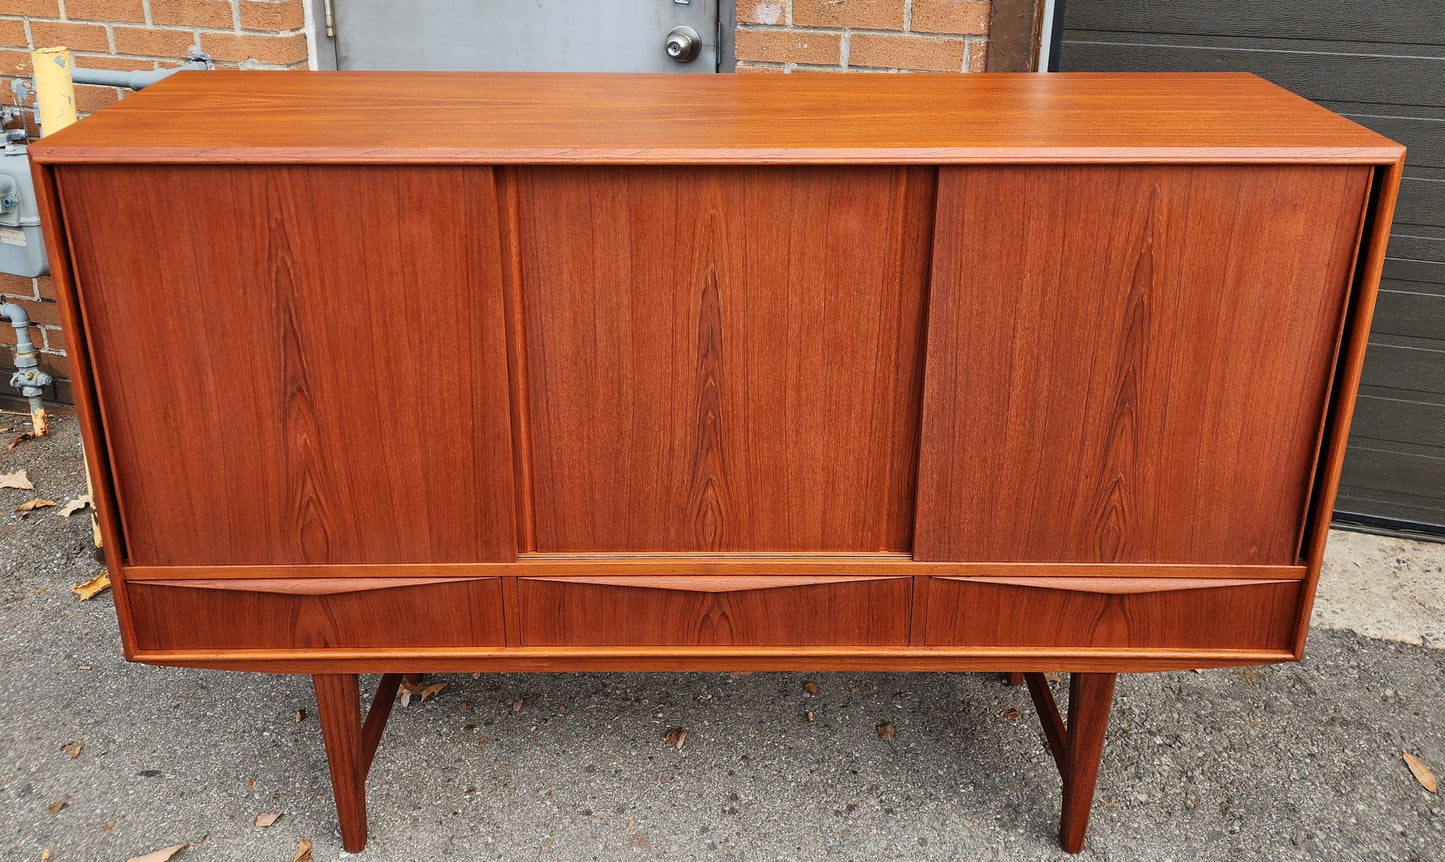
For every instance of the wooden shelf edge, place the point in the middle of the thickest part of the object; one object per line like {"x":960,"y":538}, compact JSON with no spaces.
{"x":485,"y":157}
{"x":551,"y":659}
{"x":630,"y":566}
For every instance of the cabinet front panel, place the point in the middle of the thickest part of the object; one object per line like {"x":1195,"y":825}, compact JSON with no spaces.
{"x":721,"y":359}
{"x":715,"y":611}
{"x":298,"y":364}
{"x":1130,"y":364}
{"x":352,"y":613}
{"x":1138,"y":613}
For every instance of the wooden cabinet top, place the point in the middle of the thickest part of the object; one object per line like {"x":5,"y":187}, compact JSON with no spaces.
{"x":429,"y":118}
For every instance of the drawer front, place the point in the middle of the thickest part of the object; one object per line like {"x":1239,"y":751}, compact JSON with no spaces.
{"x":715,"y":611}
{"x":1161,"y":613}
{"x":317,"y":614}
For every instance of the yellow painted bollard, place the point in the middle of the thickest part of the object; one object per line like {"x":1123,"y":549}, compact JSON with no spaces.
{"x":54,"y":91}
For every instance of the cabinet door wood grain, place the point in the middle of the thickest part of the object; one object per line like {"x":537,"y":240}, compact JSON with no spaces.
{"x":319,"y":613}
{"x":716,"y":610}
{"x":1130,"y":364}
{"x":1162,"y":613}
{"x":722,"y":359}
{"x":298,"y":364}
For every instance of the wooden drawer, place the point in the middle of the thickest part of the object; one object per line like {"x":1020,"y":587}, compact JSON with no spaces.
{"x":317,"y":613}
{"x":714,"y":611}
{"x":1165,"y":613}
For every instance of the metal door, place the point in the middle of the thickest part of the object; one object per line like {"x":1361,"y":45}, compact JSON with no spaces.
{"x":533,"y":36}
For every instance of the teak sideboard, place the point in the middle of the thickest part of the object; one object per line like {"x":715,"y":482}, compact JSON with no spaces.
{"x":427,"y":372}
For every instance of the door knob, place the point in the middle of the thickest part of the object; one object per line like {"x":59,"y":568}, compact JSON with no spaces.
{"x":683,"y":44}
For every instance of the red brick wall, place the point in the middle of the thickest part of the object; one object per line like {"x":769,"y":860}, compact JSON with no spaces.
{"x":127,"y":35}
{"x":862,"y":35}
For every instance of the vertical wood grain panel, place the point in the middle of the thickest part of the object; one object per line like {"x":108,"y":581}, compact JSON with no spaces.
{"x":723,"y":359}
{"x":297,"y":364}
{"x":1129,"y":364}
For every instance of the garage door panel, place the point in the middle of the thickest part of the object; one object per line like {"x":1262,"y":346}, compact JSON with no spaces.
{"x":1381,"y":469}
{"x":1421,"y":369}
{"x":1371,"y":78}
{"x":1403,"y":310}
{"x":1422,"y":202}
{"x":1382,"y":418}
{"x":1383,"y":20}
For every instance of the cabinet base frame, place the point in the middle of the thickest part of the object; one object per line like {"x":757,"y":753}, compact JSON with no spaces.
{"x":351,"y":743}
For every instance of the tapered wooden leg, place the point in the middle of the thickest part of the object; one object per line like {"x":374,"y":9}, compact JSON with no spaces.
{"x":413,"y":678}
{"x":338,"y":705}
{"x":1077,"y":747}
{"x":1090,"y":695}
{"x":1013,"y":678}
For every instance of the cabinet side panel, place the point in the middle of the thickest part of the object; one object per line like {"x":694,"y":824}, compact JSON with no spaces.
{"x":723,"y":359}
{"x":298,"y":364}
{"x":1129,"y":364}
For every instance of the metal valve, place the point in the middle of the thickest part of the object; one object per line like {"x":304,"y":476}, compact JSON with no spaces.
{"x":683,"y":44}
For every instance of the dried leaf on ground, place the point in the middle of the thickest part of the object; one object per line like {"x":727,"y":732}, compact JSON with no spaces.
{"x":408,"y":689}
{"x":676,"y":737}
{"x":72,"y":749}
{"x":21,"y":438}
{"x":57,"y":807}
{"x":303,"y":852}
{"x":32,"y":505}
{"x":93,"y":587}
{"x":1421,"y":772}
{"x":267,"y":818}
{"x":1053,"y":676}
{"x":1011,"y":714}
{"x":45,"y":855}
{"x":517,"y":707}
{"x":811,"y":718}
{"x":18,"y":479}
{"x":74,"y":506}
{"x":159,"y":855}
{"x":739,"y":674}
{"x":886,"y":731}
{"x":810,"y":687}
{"x":300,"y":715}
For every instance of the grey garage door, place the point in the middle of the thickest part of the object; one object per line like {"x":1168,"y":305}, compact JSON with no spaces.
{"x":1381,"y":63}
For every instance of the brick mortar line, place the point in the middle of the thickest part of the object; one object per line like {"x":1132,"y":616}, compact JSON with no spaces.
{"x":778,"y":28}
